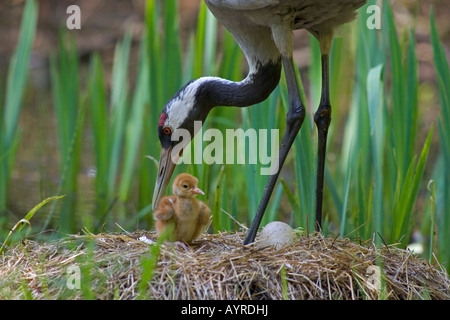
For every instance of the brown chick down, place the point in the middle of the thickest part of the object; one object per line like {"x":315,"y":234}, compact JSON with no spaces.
{"x":188,"y":215}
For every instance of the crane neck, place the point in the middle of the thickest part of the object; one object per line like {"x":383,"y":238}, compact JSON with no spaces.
{"x":255,"y":88}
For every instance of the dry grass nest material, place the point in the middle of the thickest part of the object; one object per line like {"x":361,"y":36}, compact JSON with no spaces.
{"x":217,"y":267}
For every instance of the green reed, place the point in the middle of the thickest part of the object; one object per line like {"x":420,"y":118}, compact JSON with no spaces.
{"x":11,"y":107}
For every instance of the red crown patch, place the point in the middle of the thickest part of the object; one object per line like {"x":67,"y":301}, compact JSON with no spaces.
{"x":162,"y":119}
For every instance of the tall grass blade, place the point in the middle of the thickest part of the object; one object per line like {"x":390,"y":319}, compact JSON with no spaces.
{"x":344,"y":202}
{"x":133,"y":131}
{"x":399,"y":112}
{"x":66,"y":102}
{"x":119,"y":108}
{"x":402,"y":215}
{"x":432,"y":189}
{"x":172,"y":49}
{"x":377,"y":132}
{"x":272,"y":211}
{"x":26,"y":219}
{"x":15,"y":87}
{"x":218,"y":217}
{"x":99,"y":117}
{"x":200,"y":41}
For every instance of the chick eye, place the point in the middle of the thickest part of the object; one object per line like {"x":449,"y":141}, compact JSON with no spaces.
{"x":167,"y":130}
{"x":185,"y":186}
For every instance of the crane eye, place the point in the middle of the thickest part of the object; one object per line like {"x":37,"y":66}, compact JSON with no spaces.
{"x":185,"y":186}
{"x":167,"y":130}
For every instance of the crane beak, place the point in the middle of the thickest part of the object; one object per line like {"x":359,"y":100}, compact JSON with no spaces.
{"x":165,"y":170}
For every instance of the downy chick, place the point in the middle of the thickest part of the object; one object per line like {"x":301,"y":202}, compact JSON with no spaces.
{"x":187,"y":215}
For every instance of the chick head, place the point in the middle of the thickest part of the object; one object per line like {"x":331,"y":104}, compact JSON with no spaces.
{"x":186,"y":185}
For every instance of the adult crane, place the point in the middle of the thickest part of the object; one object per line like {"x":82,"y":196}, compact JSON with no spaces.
{"x":264,"y":32}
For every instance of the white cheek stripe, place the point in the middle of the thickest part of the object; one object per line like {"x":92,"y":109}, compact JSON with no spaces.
{"x":181,"y":106}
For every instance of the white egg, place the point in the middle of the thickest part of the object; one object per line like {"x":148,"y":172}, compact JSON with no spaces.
{"x":277,"y":234}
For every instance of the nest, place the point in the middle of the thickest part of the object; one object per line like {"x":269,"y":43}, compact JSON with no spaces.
{"x":120,"y":266}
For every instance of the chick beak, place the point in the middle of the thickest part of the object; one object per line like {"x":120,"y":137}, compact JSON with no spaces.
{"x":196,"y":190}
{"x":165,"y":170}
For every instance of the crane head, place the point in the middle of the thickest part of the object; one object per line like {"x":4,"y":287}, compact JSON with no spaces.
{"x":176,"y":128}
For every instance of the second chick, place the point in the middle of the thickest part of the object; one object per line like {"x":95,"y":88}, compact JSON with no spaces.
{"x":188,"y":215}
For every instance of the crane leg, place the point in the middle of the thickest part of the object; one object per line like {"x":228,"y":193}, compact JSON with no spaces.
{"x":322,"y":118}
{"x":294,"y":121}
